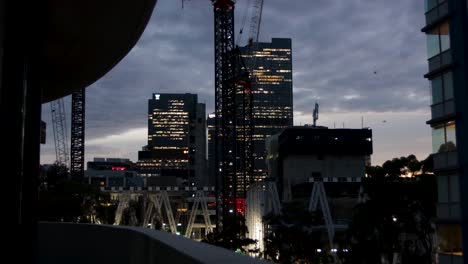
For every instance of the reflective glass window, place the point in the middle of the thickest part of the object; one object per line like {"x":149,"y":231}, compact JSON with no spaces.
{"x":442,"y":189}
{"x":454,"y":190}
{"x":444,"y":37}
{"x":444,"y":138}
{"x":438,"y":138}
{"x":432,"y":42}
{"x":437,"y":91}
{"x":451,"y":137}
{"x":448,"y":86}
{"x":438,"y":40}
{"x":429,"y":4}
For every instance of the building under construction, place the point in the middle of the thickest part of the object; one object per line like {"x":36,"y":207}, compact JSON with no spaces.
{"x":317,"y":167}
{"x":253,"y":100}
{"x":233,"y":114}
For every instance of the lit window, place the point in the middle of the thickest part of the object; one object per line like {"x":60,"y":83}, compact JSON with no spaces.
{"x":449,"y":238}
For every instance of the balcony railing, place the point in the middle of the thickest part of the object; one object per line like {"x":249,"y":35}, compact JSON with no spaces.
{"x":437,"y":62}
{"x":436,"y":13}
{"x":97,"y":244}
{"x":445,"y":160}
{"x":450,"y":259}
{"x":443,"y":109}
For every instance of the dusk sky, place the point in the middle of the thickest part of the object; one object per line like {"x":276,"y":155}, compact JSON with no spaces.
{"x":356,"y":58}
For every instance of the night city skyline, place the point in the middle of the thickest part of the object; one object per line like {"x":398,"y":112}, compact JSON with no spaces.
{"x":236,"y":131}
{"x":358,"y":66}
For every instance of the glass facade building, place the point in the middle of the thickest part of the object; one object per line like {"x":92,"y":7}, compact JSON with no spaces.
{"x":176,"y":138}
{"x":271,"y":67}
{"x":446,"y":31}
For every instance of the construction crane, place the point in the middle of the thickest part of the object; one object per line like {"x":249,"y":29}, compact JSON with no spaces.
{"x":59,"y":126}
{"x":233,"y":114}
{"x":255,"y":22}
{"x":254,"y":32}
{"x":77,"y":135}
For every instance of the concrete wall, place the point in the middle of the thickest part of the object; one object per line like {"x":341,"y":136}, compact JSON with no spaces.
{"x":299,"y":168}
{"x":98,"y":244}
{"x":200,"y":165}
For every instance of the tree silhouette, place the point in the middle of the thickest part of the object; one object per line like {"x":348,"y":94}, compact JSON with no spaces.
{"x":292,"y":238}
{"x":397,"y":167}
{"x":73,"y":201}
{"x":233,"y":234}
{"x":396,"y":217}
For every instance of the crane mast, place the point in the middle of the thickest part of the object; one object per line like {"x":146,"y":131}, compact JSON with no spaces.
{"x":255,"y":21}
{"x":225,"y":145}
{"x":59,"y":126}
{"x":233,"y":115}
{"x":77,"y":135}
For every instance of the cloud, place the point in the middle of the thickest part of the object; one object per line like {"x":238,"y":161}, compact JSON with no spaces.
{"x":395,"y":134}
{"x":351,"y":56}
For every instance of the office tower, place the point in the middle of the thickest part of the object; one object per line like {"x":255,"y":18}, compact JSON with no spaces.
{"x":447,"y":30}
{"x":270,"y":64}
{"x":176,"y":150}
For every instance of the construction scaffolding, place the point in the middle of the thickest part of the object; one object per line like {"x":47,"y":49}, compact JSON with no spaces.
{"x":59,"y":125}
{"x":233,"y":111}
{"x":77,"y":135}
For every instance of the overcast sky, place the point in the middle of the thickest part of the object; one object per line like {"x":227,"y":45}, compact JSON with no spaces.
{"x":359,"y":59}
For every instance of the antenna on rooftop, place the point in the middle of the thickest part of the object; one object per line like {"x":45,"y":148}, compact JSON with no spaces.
{"x":315,"y":114}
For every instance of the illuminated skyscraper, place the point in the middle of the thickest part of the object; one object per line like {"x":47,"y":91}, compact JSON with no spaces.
{"x":176,"y":150}
{"x":271,"y":64}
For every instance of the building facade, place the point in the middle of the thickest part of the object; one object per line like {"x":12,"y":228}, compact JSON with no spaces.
{"x":447,"y":30}
{"x":300,"y":155}
{"x":270,"y":65}
{"x":176,"y":150}
{"x":113,"y":172}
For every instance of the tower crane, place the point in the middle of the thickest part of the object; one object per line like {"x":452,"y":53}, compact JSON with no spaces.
{"x":77,"y":135}
{"x":233,"y":113}
{"x":59,"y":126}
{"x":255,"y":22}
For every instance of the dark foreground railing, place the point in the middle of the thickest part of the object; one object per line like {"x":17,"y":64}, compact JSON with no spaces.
{"x":87,"y":243}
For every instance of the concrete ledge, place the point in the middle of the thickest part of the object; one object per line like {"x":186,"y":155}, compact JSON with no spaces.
{"x":87,"y":243}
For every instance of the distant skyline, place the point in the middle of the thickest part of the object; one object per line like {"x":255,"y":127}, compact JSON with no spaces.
{"x":355,"y":58}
